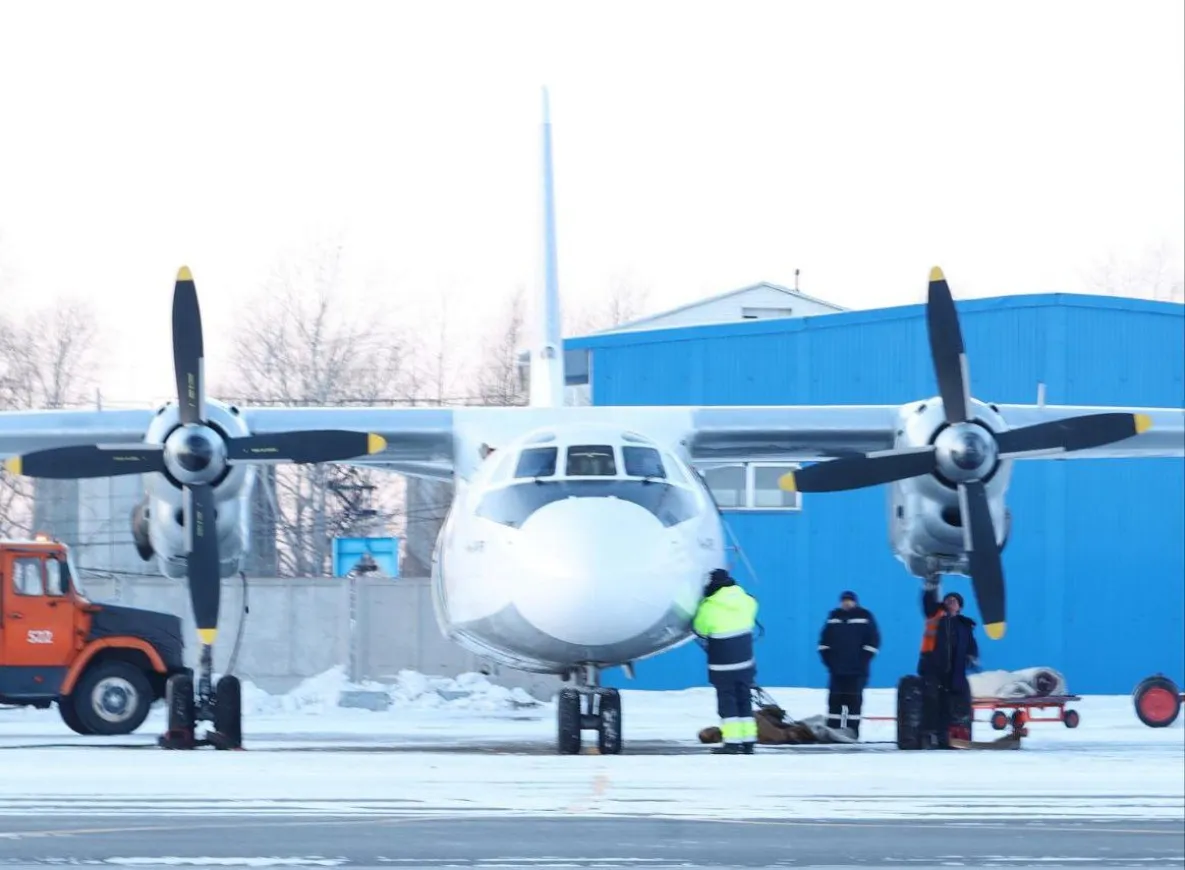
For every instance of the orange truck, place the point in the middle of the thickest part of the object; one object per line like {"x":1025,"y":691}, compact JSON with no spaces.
{"x":103,"y":664}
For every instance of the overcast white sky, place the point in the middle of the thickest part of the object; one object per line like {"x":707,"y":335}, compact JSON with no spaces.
{"x":698,"y":148}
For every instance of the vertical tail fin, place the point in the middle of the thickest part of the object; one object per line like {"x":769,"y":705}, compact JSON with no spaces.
{"x":547,"y":349}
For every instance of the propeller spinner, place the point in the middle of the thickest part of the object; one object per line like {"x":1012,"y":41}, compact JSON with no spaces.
{"x":195,"y":454}
{"x":965,"y":452}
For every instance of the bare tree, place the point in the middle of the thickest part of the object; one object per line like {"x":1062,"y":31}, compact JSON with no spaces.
{"x":498,"y":381}
{"x":1152,"y":276}
{"x":295,"y":346}
{"x":624,"y":302}
{"x":47,"y":361}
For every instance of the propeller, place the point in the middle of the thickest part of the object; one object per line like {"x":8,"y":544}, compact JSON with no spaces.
{"x":195,"y":454}
{"x":965,"y":452}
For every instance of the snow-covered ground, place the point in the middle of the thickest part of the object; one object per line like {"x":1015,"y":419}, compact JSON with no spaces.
{"x":447,"y":746}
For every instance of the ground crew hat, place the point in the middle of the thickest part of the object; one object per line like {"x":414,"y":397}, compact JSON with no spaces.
{"x":956,"y":596}
{"x":848,"y":594}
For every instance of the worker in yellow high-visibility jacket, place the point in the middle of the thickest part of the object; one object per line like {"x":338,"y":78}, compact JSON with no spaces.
{"x":725,"y":619}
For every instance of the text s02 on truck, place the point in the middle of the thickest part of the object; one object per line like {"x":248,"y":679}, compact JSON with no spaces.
{"x":104,"y":664}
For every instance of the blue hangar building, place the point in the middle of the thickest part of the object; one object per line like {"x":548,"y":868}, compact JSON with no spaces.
{"x":1095,"y":565}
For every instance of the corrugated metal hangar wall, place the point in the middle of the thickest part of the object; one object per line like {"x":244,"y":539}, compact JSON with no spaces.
{"x":1096,"y":562}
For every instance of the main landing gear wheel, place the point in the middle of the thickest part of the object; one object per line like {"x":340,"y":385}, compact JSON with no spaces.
{"x":225,"y":710}
{"x":228,"y":714}
{"x":182,"y":714}
{"x":588,"y":707}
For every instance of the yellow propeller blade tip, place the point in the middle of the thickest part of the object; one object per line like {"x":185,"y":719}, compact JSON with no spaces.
{"x":375,"y":443}
{"x":1143,"y":423}
{"x":207,"y":635}
{"x":995,"y":630}
{"x":13,"y":465}
{"x":183,"y":274}
{"x":936,"y":274}
{"x":787,"y":482}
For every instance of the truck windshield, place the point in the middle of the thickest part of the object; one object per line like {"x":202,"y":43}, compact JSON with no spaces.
{"x":75,"y":579}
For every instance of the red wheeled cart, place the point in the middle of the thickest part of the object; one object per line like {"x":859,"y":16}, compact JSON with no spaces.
{"x":1022,"y":710}
{"x":1158,"y":701}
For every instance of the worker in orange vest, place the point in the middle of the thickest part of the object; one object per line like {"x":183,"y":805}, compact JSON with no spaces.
{"x":934,"y":733}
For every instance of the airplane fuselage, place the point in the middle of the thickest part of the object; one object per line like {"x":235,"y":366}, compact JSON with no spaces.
{"x":576,"y":545}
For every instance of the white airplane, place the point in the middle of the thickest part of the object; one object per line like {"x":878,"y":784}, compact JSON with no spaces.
{"x":579,"y":538}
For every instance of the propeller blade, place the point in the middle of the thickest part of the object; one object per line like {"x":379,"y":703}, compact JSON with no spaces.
{"x":188,"y":354}
{"x":860,"y":471}
{"x":987,"y":573}
{"x":947,"y":350}
{"x":205,"y":584}
{"x":1072,"y":433}
{"x":88,"y":460}
{"x":318,"y":445}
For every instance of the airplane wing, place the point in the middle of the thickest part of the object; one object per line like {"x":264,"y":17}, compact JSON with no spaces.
{"x":419,"y":440}
{"x":26,"y":431}
{"x":812,"y":433}
{"x":789,"y":433}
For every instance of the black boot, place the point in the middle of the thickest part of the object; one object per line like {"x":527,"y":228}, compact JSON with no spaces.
{"x":748,"y":748}
{"x":727,"y":749}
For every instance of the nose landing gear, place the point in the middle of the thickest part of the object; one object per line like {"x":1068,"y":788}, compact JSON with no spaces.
{"x":588,"y":707}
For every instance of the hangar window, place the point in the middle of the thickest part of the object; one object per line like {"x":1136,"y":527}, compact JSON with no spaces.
{"x":536,"y":462}
{"x":591,"y":460}
{"x":752,"y":486}
{"x":727,"y":485}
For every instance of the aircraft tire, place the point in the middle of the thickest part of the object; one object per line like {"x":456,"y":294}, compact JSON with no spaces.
{"x":228,"y":713}
{"x":609,"y":724}
{"x":182,"y":715}
{"x":909,"y":712}
{"x":568,"y":722}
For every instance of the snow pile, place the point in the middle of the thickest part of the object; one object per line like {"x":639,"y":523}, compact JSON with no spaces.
{"x":410,"y":691}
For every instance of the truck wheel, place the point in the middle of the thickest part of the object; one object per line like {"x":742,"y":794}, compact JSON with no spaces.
{"x":112,"y":698}
{"x":69,"y":714}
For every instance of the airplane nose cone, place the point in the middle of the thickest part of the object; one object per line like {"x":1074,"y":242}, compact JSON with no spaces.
{"x":601,"y":571}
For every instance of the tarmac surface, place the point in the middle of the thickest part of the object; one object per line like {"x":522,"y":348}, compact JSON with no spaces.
{"x":480,"y":840}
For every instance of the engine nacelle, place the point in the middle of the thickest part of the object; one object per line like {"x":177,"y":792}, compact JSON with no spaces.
{"x":140,"y":534}
{"x":925,"y":518}
{"x":158,"y":521}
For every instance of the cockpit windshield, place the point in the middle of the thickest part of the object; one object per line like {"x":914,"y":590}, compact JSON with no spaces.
{"x":536,"y":462}
{"x":642,"y":462}
{"x":591,"y":460}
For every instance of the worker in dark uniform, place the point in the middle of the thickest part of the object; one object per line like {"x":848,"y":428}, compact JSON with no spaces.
{"x":955,"y":650}
{"x":933,"y":611}
{"x":847,"y":643}
{"x":949,"y":648}
{"x":725,"y":619}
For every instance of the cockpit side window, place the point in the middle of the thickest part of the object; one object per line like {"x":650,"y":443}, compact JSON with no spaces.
{"x":536,"y":462}
{"x":591,"y":460}
{"x":642,"y":462}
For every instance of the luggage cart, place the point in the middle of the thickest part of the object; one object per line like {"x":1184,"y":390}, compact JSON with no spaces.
{"x":1022,"y":710}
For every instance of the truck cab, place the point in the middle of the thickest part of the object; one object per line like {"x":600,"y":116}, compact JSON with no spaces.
{"x":104,"y":665}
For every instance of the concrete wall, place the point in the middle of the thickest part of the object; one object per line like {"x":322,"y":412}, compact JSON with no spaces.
{"x":300,"y":627}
